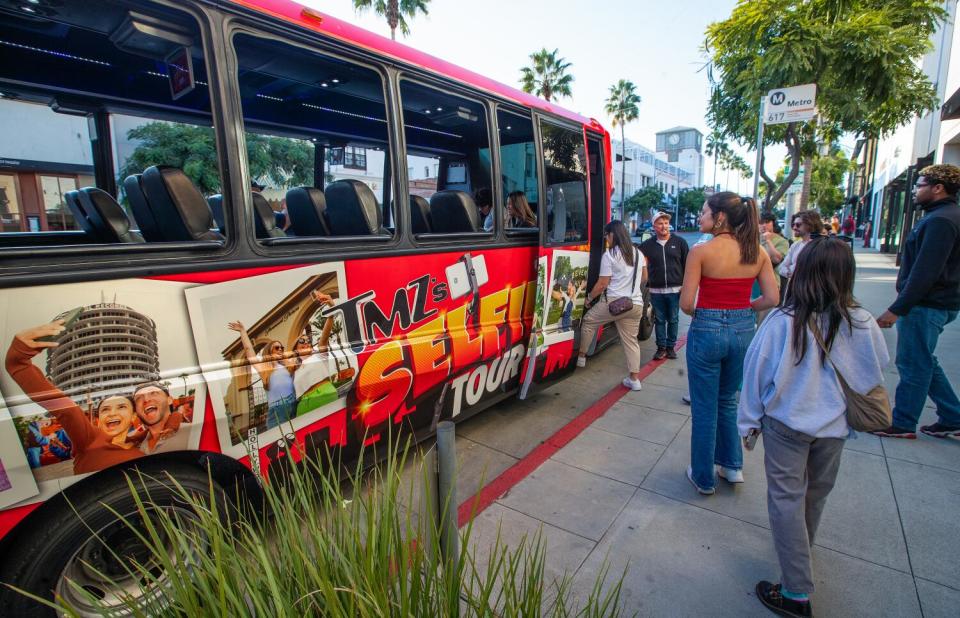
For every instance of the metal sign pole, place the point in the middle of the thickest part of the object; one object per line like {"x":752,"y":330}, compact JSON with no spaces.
{"x":756,"y":170}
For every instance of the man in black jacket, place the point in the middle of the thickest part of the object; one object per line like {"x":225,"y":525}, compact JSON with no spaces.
{"x":666,"y":258}
{"x":928,"y":298}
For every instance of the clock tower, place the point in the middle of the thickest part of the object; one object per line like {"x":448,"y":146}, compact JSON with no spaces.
{"x":683,"y":147}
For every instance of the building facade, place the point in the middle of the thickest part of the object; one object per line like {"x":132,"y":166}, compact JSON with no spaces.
{"x":683,"y":147}
{"x":645,"y":168}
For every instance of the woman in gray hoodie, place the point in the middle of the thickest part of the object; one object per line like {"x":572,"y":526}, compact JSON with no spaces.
{"x":792,"y":397}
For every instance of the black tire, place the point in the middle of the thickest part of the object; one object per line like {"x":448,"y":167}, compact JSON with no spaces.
{"x":54,"y":547}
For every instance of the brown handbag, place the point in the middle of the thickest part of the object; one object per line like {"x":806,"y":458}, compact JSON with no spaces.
{"x":625,"y":304}
{"x":870,"y":412}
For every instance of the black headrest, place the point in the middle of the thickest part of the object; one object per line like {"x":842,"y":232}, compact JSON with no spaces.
{"x":107,"y":216}
{"x":453,"y":211}
{"x":352,"y":209}
{"x":263,"y":219}
{"x":178,"y":206}
{"x":215,"y":202}
{"x":306,"y":207}
{"x":420,"y":214}
{"x":146,"y":220}
{"x":79,"y":214}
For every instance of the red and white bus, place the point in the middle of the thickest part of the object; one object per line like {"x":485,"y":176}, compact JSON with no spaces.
{"x":234,"y":230}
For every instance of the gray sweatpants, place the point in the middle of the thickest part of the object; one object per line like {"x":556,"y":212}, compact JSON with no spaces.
{"x":801,"y":471}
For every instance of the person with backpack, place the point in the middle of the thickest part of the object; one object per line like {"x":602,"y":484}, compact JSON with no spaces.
{"x":666,"y":256}
{"x":792,"y":396}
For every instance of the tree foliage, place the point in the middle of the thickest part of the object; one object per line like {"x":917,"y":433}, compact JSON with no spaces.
{"x":691,"y":201}
{"x":192,"y":148}
{"x":547,"y":77}
{"x":395,"y":11}
{"x":861,"y":54}
{"x":826,"y":191}
{"x":644,"y":201}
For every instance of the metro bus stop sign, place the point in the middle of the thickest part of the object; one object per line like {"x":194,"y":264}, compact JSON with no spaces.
{"x":796,"y":104}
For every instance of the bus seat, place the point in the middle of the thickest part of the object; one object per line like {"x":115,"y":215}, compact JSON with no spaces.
{"x":454,"y":211}
{"x":72,"y":198}
{"x":306,"y":207}
{"x":352,"y":209}
{"x":146,"y":221}
{"x":216,"y":209}
{"x":420,"y":214}
{"x":178,"y":205}
{"x":107,"y":216}
{"x":263,"y":219}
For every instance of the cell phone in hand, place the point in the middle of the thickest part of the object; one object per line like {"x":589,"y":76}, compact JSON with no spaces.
{"x":69,"y":317}
{"x":750,"y":440}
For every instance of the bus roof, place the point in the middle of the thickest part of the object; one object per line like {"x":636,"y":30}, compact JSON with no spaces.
{"x":320,"y":22}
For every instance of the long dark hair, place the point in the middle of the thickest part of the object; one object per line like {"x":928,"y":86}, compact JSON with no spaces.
{"x":742,"y":219}
{"x":621,"y":240}
{"x":822,"y":289}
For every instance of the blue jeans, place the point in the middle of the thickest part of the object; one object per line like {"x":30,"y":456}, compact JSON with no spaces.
{"x":281,"y":411}
{"x":716,"y":344}
{"x":920,"y":374}
{"x":666,"y":321}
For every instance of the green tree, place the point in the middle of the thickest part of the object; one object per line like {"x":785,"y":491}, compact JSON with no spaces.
{"x":396,"y":11}
{"x":548,"y":76}
{"x":644,"y":201}
{"x":623,"y":106}
{"x":192,"y":148}
{"x":861,"y":54}
{"x":826,"y":178}
{"x":690,"y":202}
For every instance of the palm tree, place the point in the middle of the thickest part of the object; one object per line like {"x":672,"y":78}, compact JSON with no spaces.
{"x":622,"y":106}
{"x":716,"y":148}
{"x":395,"y":11}
{"x":548,"y":76}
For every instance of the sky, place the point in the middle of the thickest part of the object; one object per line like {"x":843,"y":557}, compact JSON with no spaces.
{"x":654,"y":43}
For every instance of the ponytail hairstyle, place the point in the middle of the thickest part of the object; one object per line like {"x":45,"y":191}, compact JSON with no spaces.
{"x":621,"y":240}
{"x":822,"y":289}
{"x":742,"y":220}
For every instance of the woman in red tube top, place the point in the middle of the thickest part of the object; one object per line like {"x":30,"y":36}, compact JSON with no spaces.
{"x":716,"y":292}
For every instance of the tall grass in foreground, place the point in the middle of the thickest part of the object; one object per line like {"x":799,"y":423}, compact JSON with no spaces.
{"x":329,"y":547}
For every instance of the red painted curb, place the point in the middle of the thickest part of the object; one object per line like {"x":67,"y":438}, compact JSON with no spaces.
{"x":489,"y":493}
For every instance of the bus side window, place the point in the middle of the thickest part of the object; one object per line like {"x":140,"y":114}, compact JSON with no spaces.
{"x":317,"y":142}
{"x":448,"y":161}
{"x":564,"y":160}
{"x":72,"y":157}
{"x":518,"y":169}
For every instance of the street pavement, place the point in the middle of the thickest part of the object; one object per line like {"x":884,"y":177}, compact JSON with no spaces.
{"x":888,"y":544}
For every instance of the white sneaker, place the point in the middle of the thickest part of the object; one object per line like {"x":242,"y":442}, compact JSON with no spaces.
{"x":685,"y":399}
{"x":581,"y":361}
{"x":701,"y":490}
{"x":731,"y":476}
{"x":632,"y":384}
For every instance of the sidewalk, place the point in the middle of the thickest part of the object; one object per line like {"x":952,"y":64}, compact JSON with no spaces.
{"x":888,"y":543}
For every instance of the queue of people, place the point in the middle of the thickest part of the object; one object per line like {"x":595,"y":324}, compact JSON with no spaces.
{"x":815,"y":342}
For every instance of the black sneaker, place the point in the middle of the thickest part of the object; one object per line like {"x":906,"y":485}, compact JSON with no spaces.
{"x":939,"y":430}
{"x":770,"y":595}
{"x":660,"y":354}
{"x":895,"y":432}
{"x":671,"y":353}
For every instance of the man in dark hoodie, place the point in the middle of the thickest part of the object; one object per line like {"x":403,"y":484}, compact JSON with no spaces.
{"x":928,"y":298}
{"x":666,"y":258}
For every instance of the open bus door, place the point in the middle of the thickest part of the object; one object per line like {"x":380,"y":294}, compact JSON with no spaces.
{"x":571,"y":212}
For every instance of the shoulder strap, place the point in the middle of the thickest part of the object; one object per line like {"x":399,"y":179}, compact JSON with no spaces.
{"x":822,"y":345}
{"x":636,"y":266}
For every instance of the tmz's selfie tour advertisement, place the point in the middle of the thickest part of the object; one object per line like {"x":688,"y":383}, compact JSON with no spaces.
{"x":108,"y":377}
{"x":304,"y":357}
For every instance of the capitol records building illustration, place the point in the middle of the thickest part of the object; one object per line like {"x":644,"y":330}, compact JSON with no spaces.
{"x":110,"y":346}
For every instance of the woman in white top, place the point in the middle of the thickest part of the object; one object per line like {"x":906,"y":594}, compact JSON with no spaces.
{"x":806,"y":224}
{"x":622,"y":273}
{"x":791,"y":395}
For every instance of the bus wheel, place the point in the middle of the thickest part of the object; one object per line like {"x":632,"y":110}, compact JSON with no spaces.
{"x":86,"y":543}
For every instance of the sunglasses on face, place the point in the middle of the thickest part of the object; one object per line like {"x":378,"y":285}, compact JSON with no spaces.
{"x":921,"y":184}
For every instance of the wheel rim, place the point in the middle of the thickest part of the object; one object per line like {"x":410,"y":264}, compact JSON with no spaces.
{"x":103,"y":566}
